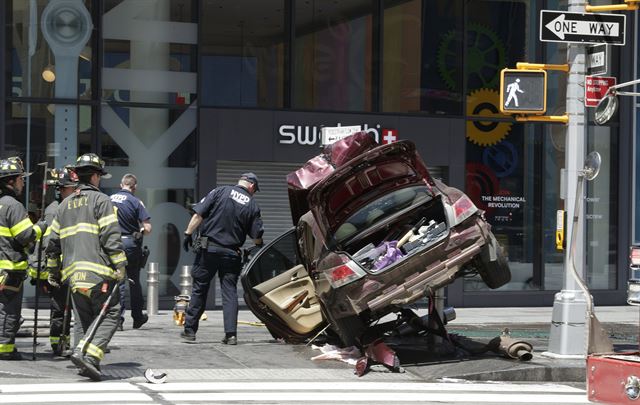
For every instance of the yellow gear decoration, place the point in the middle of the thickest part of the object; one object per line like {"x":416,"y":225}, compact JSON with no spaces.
{"x":485,"y":103}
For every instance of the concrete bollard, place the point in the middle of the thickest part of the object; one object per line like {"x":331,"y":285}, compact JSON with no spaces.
{"x":152,"y":288}
{"x":185,"y":280}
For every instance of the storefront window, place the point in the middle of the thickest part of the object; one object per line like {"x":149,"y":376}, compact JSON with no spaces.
{"x":148,"y":117}
{"x":501,"y":181}
{"x":422,"y":57}
{"x":332,"y":67}
{"x":501,"y":155}
{"x":46,"y":62}
{"x":243,"y":53}
{"x":149,"y":52}
{"x":601,"y":202}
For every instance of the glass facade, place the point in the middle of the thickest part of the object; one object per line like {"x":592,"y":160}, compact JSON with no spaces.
{"x":243,"y":53}
{"x":128,"y":79}
{"x":332,"y":55}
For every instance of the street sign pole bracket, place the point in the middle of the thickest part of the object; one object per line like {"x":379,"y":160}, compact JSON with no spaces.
{"x":629,"y":6}
{"x":541,"y":66}
{"x":560,"y":119}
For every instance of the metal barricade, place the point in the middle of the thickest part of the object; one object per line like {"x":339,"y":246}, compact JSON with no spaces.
{"x":153,"y":273}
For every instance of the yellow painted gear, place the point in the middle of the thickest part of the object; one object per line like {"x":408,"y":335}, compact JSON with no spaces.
{"x":484,"y":103}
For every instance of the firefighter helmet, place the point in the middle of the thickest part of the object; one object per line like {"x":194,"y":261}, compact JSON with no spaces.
{"x":62,"y":177}
{"x":90,"y":162}
{"x":11,"y":167}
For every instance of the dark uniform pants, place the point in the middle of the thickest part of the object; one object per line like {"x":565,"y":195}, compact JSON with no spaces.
{"x":58,"y":302}
{"x":10,"y":308}
{"x":228,"y":267}
{"x":87,"y":308}
{"x":133,"y":251}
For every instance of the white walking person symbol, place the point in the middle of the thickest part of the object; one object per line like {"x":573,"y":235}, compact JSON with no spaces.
{"x":512,"y":89}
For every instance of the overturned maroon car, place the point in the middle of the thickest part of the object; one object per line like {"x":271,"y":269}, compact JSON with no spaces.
{"x":374,"y":233}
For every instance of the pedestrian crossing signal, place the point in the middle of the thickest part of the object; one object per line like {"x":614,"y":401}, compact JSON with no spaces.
{"x":523,"y":91}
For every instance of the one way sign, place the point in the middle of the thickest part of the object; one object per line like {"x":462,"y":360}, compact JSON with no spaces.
{"x":562,"y":26}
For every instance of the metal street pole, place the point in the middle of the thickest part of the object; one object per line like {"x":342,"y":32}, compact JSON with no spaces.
{"x":568,"y":322}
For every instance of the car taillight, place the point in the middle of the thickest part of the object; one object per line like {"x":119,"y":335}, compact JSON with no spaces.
{"x":634,"y":255}
{"x":463,"y":208}
{"x":343,"y":273}
{"x":633,"y":284}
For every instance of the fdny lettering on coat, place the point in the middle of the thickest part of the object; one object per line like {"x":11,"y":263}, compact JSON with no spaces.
{"x":81,"y":201}
{"x":239,"y":197}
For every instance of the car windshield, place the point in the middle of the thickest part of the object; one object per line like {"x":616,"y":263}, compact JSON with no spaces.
{"x":381,"y":208}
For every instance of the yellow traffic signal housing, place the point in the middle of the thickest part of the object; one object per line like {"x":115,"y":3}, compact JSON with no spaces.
{"x":523,"y":91}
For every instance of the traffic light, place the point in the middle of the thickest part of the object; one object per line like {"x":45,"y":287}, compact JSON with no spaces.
{"x":523,"y":91}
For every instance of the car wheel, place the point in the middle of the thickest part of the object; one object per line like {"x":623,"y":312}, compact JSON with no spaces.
{"x":495,"y":273}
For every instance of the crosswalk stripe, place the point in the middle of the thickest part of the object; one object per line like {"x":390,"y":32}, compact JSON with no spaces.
{"x":290,"y":391}
{"x":68,"y":387}
{"x":68,"y":397}
{"x":360,"y":386}
{"x":391,"y":397}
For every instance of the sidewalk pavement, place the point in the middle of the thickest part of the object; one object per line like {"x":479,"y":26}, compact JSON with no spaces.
{"x":157,"y":345}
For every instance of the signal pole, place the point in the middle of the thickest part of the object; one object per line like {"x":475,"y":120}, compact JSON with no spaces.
{"x":568,"y":322}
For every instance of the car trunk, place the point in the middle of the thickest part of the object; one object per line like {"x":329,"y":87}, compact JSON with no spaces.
{"x":378,"y":182}
{"x":417,"y":227}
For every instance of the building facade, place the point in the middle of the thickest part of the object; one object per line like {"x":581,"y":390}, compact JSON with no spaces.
{"x":189,"y":94}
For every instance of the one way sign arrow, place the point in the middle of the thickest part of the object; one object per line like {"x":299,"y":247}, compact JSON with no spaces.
{"x":559,"y":26}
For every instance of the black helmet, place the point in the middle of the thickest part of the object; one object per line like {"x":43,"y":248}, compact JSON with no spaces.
{"x":62,"y":177}
{"x":11,"y":167}
{"x":90,"y":162}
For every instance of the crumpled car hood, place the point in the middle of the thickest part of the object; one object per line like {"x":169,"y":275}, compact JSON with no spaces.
{"x":364,"y":179}
{"x":318,"y":168}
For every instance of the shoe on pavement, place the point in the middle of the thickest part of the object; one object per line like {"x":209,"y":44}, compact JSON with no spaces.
{"x":230,"y":340}
{"x":14,"y":355}
{"x":121,"y":325}
{"x":188,"y":336}
{"x":87,"y":365}
{"x":137,"y":323}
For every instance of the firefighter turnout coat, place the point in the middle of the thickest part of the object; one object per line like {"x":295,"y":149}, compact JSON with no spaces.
{"x":87,"y":234}
{"x":17,"y":234}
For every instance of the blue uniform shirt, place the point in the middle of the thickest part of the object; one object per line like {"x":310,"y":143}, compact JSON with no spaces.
{"x":229,"y":214}
{"x":131,"y":211}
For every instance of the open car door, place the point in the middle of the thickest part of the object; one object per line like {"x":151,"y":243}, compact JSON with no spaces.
{"x":279,"y":291}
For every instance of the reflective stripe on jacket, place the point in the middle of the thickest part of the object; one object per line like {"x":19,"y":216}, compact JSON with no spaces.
{"x":49,"y":215}
{"x":17,"y":233}
{"x":86,"y":233}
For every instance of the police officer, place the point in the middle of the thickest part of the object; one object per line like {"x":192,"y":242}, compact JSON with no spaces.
{"x":134,"y":222}
{"x":86,"y":234}
{"x":64,"y":181}
{"x":227,"y":215}
{"x":17,"y":235}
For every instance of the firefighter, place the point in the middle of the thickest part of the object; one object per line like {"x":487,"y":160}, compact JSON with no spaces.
{"x":17,"y":236}
{"x":86,"y":234}
{"x":227,"y":215}
{"x":64,"y":181}
{"x":134,"y":222}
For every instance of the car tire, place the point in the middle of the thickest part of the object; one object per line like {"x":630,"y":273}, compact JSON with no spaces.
{"x":495,"y":273}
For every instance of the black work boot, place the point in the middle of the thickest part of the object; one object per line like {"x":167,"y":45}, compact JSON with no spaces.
{"x":188,"y":336}
{"x":14,"y":355}
{"x":88,"y":366}
{"x":230,"y":340}
{"x":137,"y":323}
